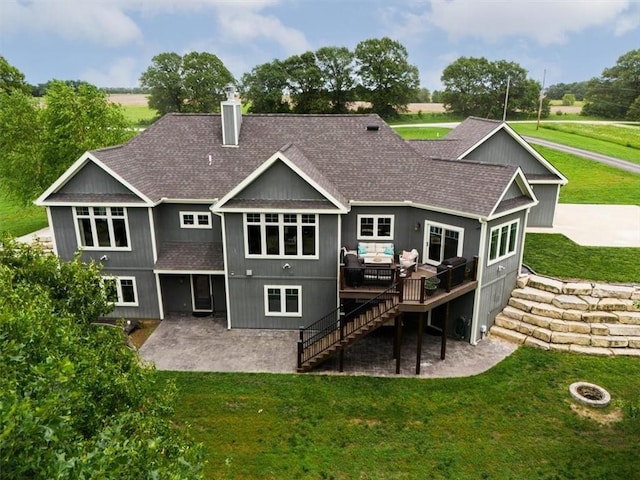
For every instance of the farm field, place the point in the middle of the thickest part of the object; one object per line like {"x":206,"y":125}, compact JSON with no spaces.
{"x":514,"y":421}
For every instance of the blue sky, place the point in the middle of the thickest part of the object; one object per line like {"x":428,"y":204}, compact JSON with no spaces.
{"x":111,"y":42}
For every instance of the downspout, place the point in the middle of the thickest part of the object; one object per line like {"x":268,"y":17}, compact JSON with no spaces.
{"x":524,"y":237}
{"x":223,"y":224}
{"x":476,"y":303}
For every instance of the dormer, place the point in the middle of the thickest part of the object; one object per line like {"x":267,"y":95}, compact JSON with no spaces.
{"x":231,"y":111}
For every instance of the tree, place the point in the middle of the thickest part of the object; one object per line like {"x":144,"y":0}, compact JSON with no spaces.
{"x":436,"y":96}
{"x":74,"y":401}
{"x":476,"y":86}
{"x":11,"y":79}
{"x":263,"y":88}
{"x":192,"y":83}
{"x":336,"y":65}
{"x":387,"y":79}
{"x":612,"y":95}
{"x":557,"y":91}
{"x":305,"y":84}
{"x":423,"y":96}
{"x":568,"y":99}
{"x":37,"y":144}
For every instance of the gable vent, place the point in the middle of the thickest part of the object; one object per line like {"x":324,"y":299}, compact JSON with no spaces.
{"x":373,"y":128}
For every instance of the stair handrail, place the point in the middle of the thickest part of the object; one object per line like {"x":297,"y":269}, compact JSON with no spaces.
{"x":325,"y":326}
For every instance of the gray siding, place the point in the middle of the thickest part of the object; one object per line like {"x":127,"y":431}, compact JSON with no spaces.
{"x":167,"y":224}
{"x":176,"y":293}
{"x":498,"y":279}
{"x":543,"y":214}
{"x":145,"y":290}
{"x":279,"y":182}
{"x":93,"y":179}
{"x":503,"y":149}
{"x":317,"y":277}
{"x":406,"y":237}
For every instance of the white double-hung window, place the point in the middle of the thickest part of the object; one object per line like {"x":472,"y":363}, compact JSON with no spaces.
{"x":504,"y":241}
{"x":281,"y":235}
{"x":102,"y":228}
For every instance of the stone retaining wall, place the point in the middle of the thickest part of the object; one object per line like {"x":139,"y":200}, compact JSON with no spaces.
{"x":598,"y":319}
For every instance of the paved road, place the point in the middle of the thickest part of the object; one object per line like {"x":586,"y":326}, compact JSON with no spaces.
{"x":615,"y":162}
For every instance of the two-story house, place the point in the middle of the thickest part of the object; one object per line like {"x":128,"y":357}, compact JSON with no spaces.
{"x":251,"y":216}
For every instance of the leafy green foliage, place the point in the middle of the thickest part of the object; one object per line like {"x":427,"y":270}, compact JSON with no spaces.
{"x":559,"y":90}
{"x":11,"y":79}
{"x":387,"y":78}
{"x":38,"y":143}
{"x":613,"y":94}
{"x":305,"y":84}
{"x":193,"y":83}
{"x":75,"y":402}
{"x":264,"y":88}
{"x":337,"y":69}
{"x":514,"y":421}
{"x":476,"y":86}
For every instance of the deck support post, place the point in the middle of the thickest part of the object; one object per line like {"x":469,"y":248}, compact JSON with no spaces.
{"x":397,"y":342}
{"x":419,"y":346}
{"x":443,"y":346}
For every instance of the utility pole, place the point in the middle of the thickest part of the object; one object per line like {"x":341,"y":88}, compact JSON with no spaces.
{"x":544,"y":77}
{"x":506,"y":99}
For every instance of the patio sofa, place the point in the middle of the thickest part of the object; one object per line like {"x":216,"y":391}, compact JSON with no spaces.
{"x":381,"y":251}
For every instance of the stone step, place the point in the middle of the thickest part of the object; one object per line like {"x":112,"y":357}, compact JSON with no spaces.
{"x":507,"y":334}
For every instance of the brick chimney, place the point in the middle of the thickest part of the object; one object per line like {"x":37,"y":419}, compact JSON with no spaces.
{"x":231,"y":112}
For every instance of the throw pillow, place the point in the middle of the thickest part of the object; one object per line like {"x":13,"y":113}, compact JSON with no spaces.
{"x":388,"y":250}
{"x":406,"y":255}
{"x":362,"y":250}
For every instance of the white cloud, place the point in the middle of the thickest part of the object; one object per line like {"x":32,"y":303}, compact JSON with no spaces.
{"x":545,"y":21}
{"x":111,"y":23}
{"x":124,"y":72}
{"x":94,"y":21}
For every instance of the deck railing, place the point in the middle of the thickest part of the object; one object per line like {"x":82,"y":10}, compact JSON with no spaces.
{"x":413,"y":289}
{"x":336,"y":327}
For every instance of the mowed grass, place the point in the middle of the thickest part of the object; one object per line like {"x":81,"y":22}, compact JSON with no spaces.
{"x":17,"y":219}
{"x":557,"y":256}
{"x":616,"y":141}
{"x":422,"y":133}
{"x":139,"y":115}
{"x":591,"y":182}
{"x":515,"y":421}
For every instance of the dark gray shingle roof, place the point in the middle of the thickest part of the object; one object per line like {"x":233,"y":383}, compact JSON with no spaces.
{"x":192,"y":257}
{"x":182,"y":157}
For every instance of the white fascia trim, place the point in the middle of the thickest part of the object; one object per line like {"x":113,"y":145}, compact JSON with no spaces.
{"x":513,"y":210}
{"x":188,"y":272}
{"x":535,"y":154}
{"x":195,"y":201}
{"x":277,"y":210}
{"x":546,"y":182}
{"x":519,"y":178}
{"x":357,"y":203}
{"x":76,"y":167}
{"x":95,"y":204}
{"x":278,"y":156}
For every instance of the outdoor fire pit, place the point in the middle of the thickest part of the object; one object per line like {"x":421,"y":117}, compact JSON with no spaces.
{"x":590,"y":394}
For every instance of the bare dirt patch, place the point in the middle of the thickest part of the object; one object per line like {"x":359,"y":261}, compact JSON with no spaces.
{"x":144,"y":331}
{"x":612,"y":416}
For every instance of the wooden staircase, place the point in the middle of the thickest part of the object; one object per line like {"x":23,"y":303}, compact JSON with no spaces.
{"x":336,"y":332}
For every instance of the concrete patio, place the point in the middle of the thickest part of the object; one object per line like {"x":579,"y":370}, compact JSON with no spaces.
{"x":189,"y":343}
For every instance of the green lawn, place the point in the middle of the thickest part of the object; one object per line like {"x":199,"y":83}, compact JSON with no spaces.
{"x":18,"y":220}
{"x":513,"y":422}
{"x":557,"y":256}
{"x":139,"y":115}
{"x":421,"y":133}
{"x":616,"y":141}
{"x":593,"y":182}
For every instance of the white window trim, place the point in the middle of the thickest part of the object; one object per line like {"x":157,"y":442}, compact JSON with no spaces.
{"x":195,"y":219}
{"x":444,"y":226}
{"x":280,"y":224}
{"x":282,"y":289}
{"x":508,"y":254}
{"x":120,"y":302}
{"x":92,"y":219}
{"x":375,"y":227}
